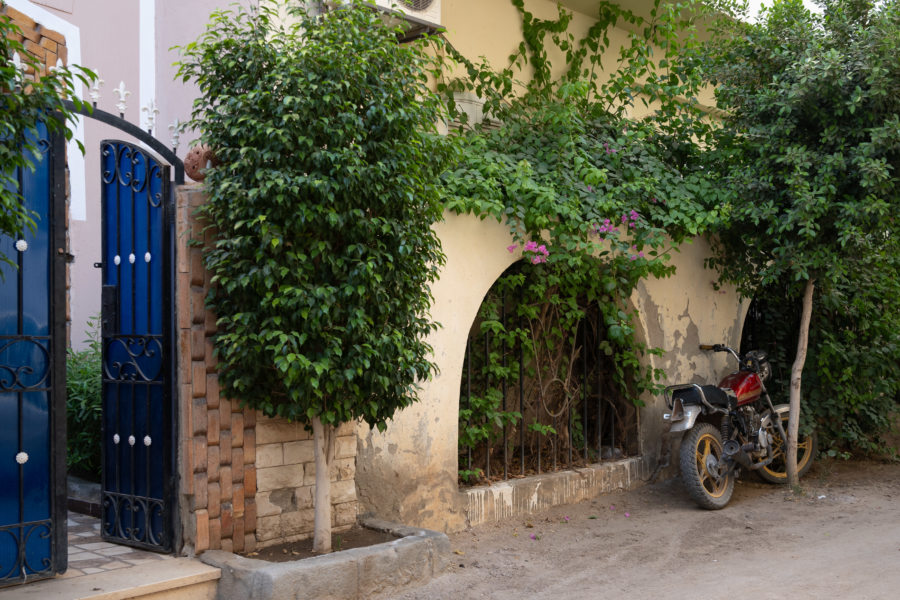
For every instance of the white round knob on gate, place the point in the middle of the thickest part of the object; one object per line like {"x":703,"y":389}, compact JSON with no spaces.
{"x":22,"y":458}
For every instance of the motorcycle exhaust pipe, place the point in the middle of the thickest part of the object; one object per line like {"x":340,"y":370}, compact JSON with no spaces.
{"x":735,"y":451}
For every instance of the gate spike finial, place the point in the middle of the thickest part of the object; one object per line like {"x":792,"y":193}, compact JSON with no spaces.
{"x":94,"y":92}
{"x":122,"y":104}
{"x":177,"y":128}
{"x":152,"y":113}
{"x":20,"y":68}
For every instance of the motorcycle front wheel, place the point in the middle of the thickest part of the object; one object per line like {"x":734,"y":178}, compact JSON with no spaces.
{"x":701,"y":457}
{"x":776,"y":471}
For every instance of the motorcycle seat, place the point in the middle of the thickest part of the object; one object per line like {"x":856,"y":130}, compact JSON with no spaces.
{"x":714,"y":395}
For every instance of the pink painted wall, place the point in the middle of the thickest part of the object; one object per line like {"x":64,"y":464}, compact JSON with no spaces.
{"x":110,"y":42}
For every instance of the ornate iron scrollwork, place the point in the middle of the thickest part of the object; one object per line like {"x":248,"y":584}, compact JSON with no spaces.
{"x":24,"y":374}
{"x":22,"y":534}
{"x":133,"y":358}
{"x":137,"y":519}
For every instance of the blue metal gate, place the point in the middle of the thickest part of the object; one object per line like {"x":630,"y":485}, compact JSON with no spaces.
{"x":138,"y":425}
{"x":32,"y":377}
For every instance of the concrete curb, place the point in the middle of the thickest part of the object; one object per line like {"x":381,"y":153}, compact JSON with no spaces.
{"x":413,"y":559}
{"x":529,"y":495}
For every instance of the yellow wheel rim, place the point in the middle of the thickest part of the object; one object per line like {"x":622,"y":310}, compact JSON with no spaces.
{"x":804,"y":454}
{"x":708,"y":446}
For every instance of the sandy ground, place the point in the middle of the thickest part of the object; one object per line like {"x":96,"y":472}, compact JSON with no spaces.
{"x":840,"y":540}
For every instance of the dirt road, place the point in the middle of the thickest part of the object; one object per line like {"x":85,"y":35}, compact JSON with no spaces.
{"x":842,"y":540}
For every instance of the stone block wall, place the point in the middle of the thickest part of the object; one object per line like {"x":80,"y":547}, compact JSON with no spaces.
{"x":47,"y":45}
{"x":247,"y":481}
{"x":286,"y":477}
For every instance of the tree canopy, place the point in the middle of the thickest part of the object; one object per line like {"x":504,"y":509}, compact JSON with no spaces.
{"x":322,"y":211}
{"x":811,"y":150}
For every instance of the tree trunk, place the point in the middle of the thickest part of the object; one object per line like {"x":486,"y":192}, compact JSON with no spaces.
{"x":796,"y":373}
{"x":323,"y":438}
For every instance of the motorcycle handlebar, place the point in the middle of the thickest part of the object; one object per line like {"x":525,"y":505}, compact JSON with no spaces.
{"x":714,"y":347}
{"x":721,"y":348}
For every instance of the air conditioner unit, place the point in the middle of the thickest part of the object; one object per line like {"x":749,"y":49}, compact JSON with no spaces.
{"x":417,"y":12}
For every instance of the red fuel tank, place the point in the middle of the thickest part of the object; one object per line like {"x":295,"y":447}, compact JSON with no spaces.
{"x":745,"y":385}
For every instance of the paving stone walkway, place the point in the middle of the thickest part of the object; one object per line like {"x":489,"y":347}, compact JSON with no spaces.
{"x":90,"y":554}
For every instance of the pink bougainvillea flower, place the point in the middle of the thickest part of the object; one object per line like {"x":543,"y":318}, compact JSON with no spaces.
{"x":612,"y":507}
{"x":530,"y":246}
{"x":627,"y":514}
{"x":533,"y":536}
{"x":512,"y":248}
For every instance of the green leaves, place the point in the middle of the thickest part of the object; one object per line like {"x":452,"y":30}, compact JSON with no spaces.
{"x":812,"y":149}
{"x":322,"y":209}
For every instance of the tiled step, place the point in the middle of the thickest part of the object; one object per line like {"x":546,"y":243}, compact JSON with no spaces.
{"x":174,"y":579}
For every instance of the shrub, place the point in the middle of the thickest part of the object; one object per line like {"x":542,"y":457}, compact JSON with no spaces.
{"x":84,"y":407}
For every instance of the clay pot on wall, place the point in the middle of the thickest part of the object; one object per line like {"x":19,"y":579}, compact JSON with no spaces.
{"x":198,"y":159}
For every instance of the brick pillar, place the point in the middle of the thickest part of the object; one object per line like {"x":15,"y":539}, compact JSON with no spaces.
{"x":218,"y":438}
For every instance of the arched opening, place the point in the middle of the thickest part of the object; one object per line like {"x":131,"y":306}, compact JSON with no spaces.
{"x":538,"y":391}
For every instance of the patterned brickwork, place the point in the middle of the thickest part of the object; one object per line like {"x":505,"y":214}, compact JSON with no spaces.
{"x":47,"y":45}
{"x":247,"y":480}
{"x":218,"y":448}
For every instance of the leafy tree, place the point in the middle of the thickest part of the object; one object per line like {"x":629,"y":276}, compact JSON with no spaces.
{"x":323,"y":204}
{"x":811,"y":145}
{"x":24,"y":100}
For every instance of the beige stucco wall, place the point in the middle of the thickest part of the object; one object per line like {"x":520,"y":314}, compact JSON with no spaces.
{"x":409,"y":472}
{"x":493,"y":30}
{"x":679,"y":313}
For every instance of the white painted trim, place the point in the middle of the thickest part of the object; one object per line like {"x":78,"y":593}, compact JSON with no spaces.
{"x":147,"y":55}
{"x":77,"y":181}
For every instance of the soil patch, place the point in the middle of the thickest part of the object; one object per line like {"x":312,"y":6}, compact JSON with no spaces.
{"x":358,"y":537}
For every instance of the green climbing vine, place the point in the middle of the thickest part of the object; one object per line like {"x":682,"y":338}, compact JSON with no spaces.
{"x":596,"y":198}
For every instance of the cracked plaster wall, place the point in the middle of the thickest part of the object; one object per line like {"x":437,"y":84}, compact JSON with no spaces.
{"x":408,"y":474}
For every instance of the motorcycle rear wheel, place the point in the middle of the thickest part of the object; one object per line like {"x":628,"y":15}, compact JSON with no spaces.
{"x":700,"y":449}
{"x":776,"y":471}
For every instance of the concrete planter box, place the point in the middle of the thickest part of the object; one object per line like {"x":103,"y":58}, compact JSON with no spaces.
{"x":414,"y":558}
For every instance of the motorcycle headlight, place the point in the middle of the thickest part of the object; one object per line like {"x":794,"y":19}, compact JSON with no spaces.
{"x":756,"y":360}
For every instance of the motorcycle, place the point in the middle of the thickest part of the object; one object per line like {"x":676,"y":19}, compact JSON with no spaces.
{"x":731,"y":426}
